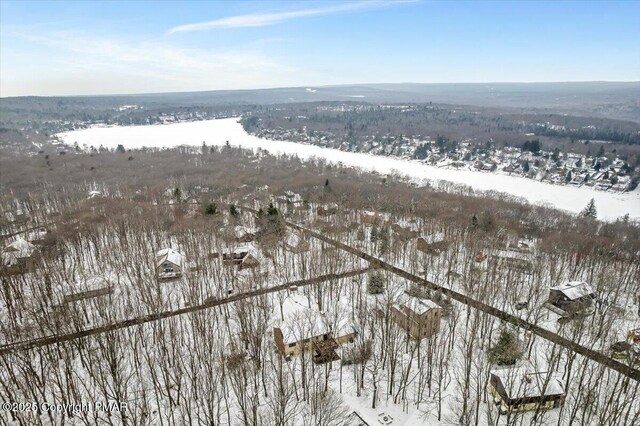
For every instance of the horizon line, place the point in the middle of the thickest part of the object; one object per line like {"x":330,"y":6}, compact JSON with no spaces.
{"x":318,"y":86}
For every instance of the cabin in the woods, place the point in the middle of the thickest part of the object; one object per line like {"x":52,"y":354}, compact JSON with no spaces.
{"x":307,"y":329}
{"x":432,"y":244}
{"x":327,"y":210}
{"x":169,"y":263}
{"x":244,"y":234}
{"x":406,"y":230}
{"x":369,"y":218}
{"x":513,"y":260}
{"x":523,"y":389}
{"x":572,"y":297}
{"x":354,"y":419}
{"x":243,"y":257}
{"x":419,"y":317}
{"x":18,"y":255}
{"x":296,"y":243}
{"x":290,"y":197}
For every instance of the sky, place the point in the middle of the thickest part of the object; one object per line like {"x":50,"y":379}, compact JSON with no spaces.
{"x":119,"y":47}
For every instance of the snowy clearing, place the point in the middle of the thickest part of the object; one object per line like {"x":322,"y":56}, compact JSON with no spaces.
{"x":218,"y":132}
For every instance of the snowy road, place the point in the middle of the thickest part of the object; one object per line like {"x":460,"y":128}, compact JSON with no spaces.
{"x":217,"y":132}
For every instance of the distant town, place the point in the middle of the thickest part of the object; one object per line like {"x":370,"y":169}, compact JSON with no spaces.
{"x":554,"y":167}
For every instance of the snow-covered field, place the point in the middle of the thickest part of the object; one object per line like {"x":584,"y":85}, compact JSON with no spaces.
{"x":217,"y":132}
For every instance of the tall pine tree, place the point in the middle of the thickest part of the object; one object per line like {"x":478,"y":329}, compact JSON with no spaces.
{"x":590,"y":210}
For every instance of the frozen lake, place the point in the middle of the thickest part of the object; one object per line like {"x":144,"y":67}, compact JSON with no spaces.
{"x":216,"y":132}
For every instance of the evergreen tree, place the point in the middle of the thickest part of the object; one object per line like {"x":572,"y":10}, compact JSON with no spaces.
{"x":590,"y":210}
{"x":474,"y":221}
{"x":233,"y":210}
{"x":373,"y":237}
{"x":422,"y":151}
{"x":376,"y":283}
{"x":272,"y":211}
{"x":418,"y":291}
{"x":384,"y":243}
{"x":177,"y":194}
{"x":120,"y":149}
{"x":507,"y":349}
{"x":211,"y":209}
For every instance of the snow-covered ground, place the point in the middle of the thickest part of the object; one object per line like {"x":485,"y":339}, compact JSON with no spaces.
{"x":217,"y":132}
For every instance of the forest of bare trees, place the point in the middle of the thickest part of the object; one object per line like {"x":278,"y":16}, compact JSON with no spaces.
{"x":216,"y":362}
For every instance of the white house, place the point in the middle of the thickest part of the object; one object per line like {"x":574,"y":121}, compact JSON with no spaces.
{"x":18,"y":252}
{"x":169,"y":263}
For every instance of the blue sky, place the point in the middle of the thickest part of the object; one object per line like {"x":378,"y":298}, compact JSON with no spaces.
{"x":71,"y":48}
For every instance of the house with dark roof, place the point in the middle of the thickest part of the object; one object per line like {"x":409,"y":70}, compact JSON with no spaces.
{"x":243,"y":257}
{"x":524,"y":389}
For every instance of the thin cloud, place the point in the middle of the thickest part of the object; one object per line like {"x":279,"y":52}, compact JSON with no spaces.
{"x":113,"y":63}
{"x":266,"y":19}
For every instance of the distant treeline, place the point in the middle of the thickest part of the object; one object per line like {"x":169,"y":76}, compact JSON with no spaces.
{"x":607,"y":135}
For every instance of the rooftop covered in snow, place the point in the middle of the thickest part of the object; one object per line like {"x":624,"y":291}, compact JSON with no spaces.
{"x":574,"y":290}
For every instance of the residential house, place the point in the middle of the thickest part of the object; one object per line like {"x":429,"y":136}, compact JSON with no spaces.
{"x":419,"y":317}
{"x":572,"y":297}
{"x":405,"y":229}
{"x":432,"y":244}
{"x":354,"y":419}
{"x":296,"y":243}
{"x":523,"y":389}
{"x":243,"y":257}
{"x":306,"y":329}
{"x":245,"y":234}
{"x":293,"y":198}
{"x":369,"y":217}
{"x":327,"y":210}
{"x":515,"y":260}
{"x":37,"y":236}
{"x":18,"y":254}
{"x":169,"y":263}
